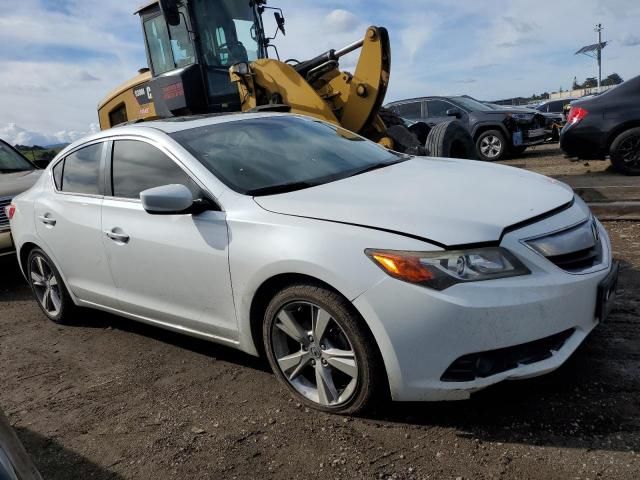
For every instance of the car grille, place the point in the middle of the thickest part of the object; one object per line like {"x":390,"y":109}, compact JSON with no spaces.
{"x":4,"y":221}
{"x":574,"y":250}
{"x":484,"y":364}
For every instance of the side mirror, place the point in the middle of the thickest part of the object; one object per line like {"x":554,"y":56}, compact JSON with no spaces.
{"x":454,"y":112}
{"x":170,"y":11}
{"x":167,"y":200}
{"x":280,"y":21}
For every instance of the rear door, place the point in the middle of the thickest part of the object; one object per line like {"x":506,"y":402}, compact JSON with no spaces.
{"x":171,"y":269}
{"x":410,"y":110}
{"x":437,"y":111}
{"x":68,"y":220}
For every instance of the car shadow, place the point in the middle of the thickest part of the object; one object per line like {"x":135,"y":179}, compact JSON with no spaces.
{"x":13,"y":286}
{"x":55,"y":462}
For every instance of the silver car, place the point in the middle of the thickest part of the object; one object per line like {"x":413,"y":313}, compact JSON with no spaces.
{"x":359,"y":272}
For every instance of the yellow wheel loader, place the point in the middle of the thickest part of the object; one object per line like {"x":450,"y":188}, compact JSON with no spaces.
{"x":211,"y":56}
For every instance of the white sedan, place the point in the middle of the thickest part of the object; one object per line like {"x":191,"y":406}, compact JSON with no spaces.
{"x":360,"y":273}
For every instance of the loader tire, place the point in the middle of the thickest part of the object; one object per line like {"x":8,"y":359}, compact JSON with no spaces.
{"x":451,"y":140}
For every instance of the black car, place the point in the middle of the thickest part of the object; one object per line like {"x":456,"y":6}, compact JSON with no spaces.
{"x":15,"y":463}
{"x":496,"y":133}
{"x":607,"y":124}
{"x":553,"y":106}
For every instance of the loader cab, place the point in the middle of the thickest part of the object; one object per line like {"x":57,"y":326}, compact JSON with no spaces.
{"x":191,"y":44}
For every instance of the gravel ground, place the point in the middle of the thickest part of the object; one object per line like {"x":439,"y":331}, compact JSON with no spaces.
{"x":109,"y":398}
{"x":112,"y":399}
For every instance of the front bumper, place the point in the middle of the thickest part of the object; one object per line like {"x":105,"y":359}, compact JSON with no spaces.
{"x":6,"y":243}
{"x":422,"y":332}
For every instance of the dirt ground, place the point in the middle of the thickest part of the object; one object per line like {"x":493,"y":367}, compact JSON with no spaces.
{"x":112,"y":399}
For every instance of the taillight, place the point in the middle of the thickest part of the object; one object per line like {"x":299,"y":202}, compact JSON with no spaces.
{"x":576,"y":114}
{"x":10,"y":211}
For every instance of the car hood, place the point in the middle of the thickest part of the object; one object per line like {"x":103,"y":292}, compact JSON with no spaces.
{"x":447,"y":201}
{"x":11,"y":184}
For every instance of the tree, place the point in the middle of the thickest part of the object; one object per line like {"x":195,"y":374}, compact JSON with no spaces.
{"x":613,"y":79}
{"x":590,"y":82}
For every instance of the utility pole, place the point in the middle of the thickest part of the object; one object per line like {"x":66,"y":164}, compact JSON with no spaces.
{"x":595,"y":51}
{"x":599,"y":30}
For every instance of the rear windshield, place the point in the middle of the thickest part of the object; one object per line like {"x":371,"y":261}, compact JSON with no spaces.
{"x":260,"y":155}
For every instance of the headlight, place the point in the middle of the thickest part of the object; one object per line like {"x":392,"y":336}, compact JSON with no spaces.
{"x":440,"y":270}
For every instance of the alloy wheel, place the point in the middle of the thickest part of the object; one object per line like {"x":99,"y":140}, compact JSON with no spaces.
{"x":629,"y":151}
{"x":45,"y":285}
{"x":491,"y":146}
{"x":314,"y":353}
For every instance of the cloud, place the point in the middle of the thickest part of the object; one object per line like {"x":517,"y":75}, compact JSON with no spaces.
{"x":16,"y":135}
{"x":519,"y":26}
{"x":59,"y":58}
{"x":341,"y":21}
{"x":630,"y":40}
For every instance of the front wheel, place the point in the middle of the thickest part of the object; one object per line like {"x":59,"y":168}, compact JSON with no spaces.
{"x":491,"y":145}
{"x":625,"y":152}
{"x":318,"y":347}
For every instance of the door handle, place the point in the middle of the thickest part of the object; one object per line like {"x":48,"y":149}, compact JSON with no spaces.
{"x":117,"y":237}
{"x":47,"y":220}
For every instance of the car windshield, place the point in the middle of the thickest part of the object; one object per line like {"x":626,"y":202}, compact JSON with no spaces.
{"x":471,"y":104}
{"x":263,"y":156}
{"x":11,"y":161}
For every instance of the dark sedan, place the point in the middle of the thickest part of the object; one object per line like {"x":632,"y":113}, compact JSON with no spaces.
{"x":606,"y":125}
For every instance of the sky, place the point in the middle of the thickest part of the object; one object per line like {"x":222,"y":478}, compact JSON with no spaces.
{"x":59,"y":58}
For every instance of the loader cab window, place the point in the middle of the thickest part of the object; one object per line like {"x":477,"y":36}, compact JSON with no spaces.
{"x":169,"y":47}
{"x":227,"y":32}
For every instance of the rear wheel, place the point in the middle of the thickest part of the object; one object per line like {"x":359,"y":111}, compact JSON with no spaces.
{"x":625,"y":152}
{"x":318,"y":348}
{"x":48,"y":287}
{"x":491,"y":145}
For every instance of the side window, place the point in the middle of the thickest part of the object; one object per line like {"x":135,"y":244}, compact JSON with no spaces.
{"x":138,"y":166}
{"x":155,"y":29}
{"x":81,"y":171}
{"x":438,"y":108}
{"x":411,"y":111}
{"x":118,"y":115}
{"x":57,"y":174}
{"x":181,"y":44}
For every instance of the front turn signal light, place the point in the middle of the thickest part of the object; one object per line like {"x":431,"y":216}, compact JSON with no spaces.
{"x":406,"y":268}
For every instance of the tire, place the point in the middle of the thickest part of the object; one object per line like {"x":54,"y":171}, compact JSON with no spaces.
{"x":519,"y":150}
{"x":491,"y":146}
{"x":49,"y":289}
{"x":344,"y":358}
{"x":625,"y":152}
{"x":450,"y":140}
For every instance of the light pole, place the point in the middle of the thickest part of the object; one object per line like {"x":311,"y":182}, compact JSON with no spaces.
{"x":599,"y":30}
{"x":595,"y":51}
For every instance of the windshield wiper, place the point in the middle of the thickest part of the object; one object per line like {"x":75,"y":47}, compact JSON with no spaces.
{"x":283,"y":188}
{"x":13,"y":170}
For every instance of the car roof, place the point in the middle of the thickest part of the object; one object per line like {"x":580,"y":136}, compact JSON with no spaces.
{"x":153,"y":128}
{"x":416,"y":99}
